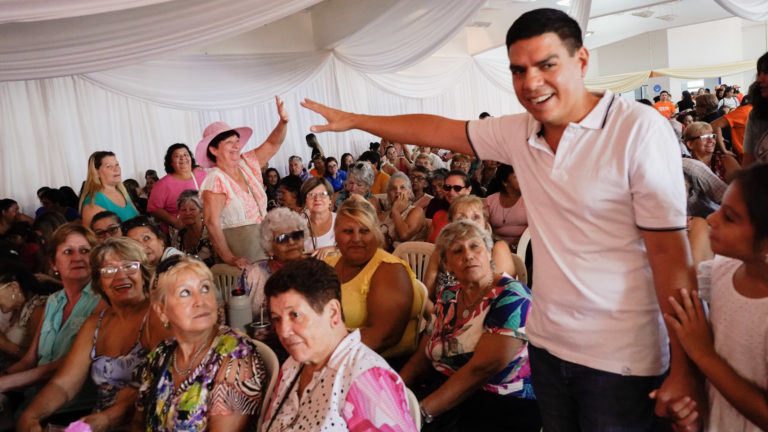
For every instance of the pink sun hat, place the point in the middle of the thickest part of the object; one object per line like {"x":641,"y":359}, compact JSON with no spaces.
{"x":210,"y":132}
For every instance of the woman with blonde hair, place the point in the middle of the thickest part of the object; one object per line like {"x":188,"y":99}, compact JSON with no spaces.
{"x":104,"y":190}
{"x":206,"y":376}
{"x":700,"y":140}
{"x":380,"y":294}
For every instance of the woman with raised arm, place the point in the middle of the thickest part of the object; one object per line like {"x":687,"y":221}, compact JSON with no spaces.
{"x":234,"y":201}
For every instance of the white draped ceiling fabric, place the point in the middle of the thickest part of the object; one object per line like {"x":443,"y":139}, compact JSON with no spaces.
{"x":754,"y":10}
{"x":86,"y":75}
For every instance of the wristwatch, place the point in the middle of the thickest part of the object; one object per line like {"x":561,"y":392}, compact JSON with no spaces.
{"x":426,"y":417}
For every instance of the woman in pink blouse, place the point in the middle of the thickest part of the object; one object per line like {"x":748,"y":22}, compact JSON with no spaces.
{"x":183,"y":174}
{"x":332,"y":381}
{"x":506,"y":209}
{"x":234,"y":201}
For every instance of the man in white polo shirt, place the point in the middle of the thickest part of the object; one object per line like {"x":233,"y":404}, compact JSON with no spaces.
{"x":606,"y":203}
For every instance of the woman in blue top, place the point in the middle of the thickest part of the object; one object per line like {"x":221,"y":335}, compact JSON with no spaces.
{"x":104,"y":189}
{"x":65,"y":311}
{"x":110,"y":346}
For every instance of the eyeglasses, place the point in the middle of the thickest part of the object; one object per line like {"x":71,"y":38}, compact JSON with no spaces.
{"x":456,"y":188}
{"x":285,"y":238}
{"x":706,"y":136}
{"x":417,"y":177}
{"x":460,"y":164}
{"x":313,"y":195}
{"x":128,"y":267}
{"x":110,"y":231}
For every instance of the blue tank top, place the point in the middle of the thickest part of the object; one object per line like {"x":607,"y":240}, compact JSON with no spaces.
{"x":112,"y":374}
{"x":101,"y":200}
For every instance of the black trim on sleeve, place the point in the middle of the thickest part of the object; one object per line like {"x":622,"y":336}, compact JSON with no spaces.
{"x":472,"y":146}
{"x":669,"y":229}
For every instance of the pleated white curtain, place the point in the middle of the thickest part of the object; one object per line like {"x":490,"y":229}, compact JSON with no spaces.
{"x":82,"y":44}
{"x":41,"y":10}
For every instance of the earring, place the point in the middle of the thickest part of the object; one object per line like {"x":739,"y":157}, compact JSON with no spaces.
{"x":166,"y":324}
{"x":56,"y":273}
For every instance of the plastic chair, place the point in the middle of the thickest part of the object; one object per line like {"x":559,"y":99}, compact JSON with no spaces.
{"x":522,"y":245}
{"x":413,"y":407}
{"x":416,"y":254}
{"x":521,"y":273}
{"x":273,"y":370}
{"x":225,"y":277}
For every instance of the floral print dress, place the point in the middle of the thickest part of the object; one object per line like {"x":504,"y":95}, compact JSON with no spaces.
{"x":230,"y":379}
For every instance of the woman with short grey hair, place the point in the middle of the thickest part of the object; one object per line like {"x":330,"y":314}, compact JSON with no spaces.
{"x":193,"y":238}
{"x":474,"y":356}
{"x":282,"y":237}
{"x":360,"y":178}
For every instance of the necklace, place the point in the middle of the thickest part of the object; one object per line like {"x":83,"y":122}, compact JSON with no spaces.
{"x":191,"y":363}
{"x":469,"y":307}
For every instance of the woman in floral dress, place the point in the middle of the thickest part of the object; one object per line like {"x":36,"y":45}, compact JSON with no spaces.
{"x":205,"y":377}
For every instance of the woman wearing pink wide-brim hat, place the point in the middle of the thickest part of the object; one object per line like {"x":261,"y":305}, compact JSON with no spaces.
{"x":234,"y":201}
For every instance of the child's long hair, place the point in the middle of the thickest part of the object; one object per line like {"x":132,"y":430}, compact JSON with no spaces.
{"x":752,"y":183}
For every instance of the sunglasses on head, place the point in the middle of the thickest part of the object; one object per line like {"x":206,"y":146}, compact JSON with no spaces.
{"x":285,"y":238}
{"x":112,"y":230}
{"x":456,"y":188}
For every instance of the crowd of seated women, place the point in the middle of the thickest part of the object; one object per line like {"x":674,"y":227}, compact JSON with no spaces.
{"x":117,"y":324}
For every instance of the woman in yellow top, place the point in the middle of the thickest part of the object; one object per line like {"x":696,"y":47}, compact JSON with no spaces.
{"x":380,"y":295}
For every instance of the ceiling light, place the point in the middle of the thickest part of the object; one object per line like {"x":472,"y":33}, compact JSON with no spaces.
{"x":643,"y":13}
{"x":479,"y":24}
{"x":669,"y":17}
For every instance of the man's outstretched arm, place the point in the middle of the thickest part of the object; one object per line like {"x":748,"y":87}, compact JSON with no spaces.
{"x":417,"y":129}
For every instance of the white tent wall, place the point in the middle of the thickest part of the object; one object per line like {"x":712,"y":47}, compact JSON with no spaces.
{"x":52,"y":125}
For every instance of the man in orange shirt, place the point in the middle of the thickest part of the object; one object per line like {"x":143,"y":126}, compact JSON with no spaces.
{"x":664,"y":105}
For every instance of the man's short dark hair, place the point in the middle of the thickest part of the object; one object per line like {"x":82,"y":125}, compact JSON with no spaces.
{"x":315,"y":280}
{"x":545,"y":20}
{"x":483,"y":115}
{"x":372,"y":157}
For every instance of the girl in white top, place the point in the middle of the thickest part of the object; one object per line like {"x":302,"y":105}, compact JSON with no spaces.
{"x":734,"y":355}
{"x":316,"y":195}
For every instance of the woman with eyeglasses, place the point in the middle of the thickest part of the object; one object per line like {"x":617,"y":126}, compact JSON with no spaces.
{"x":183,"y":173}
{"x":700,"y":140}
{"x":316,"y":195}
{"x":151,"y":237}
{"x":64,"y":314}
{"x":360,"y":178}
{"x":419,"y":177}
{"x":403,"y":221}
{"x":456,"y":184}
{"x":111,"y":346}
{"x":205,"y":376}
{"x":335,"y":176}
{"x":380,"y":294}
{"x":283,"y":234}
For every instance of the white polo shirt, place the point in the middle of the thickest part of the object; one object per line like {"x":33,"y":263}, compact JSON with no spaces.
{"x":618,"y":169}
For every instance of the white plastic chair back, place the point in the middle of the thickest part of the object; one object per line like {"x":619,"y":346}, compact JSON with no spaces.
{"x":225,"y":277}
{"x":273,"y":370}
{"x":417,"y":255}
{"x":522,"y":245}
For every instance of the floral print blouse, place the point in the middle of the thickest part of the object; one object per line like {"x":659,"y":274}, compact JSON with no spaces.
{"x":503,"y":310}
{"x":231,"y":378}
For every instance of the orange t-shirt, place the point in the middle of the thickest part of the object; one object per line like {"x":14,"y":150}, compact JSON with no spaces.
{"x":665,"y":108}
{"x":737,"y":119}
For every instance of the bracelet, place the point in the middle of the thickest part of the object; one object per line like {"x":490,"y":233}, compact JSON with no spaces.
{"x":426,"y":417}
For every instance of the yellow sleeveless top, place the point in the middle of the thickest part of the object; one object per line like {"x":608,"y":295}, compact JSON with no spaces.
{"x":354,"y":296}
